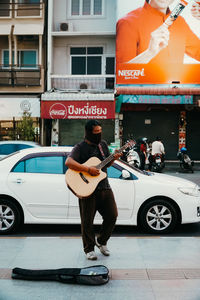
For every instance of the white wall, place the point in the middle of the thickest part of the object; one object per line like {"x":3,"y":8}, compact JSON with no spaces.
{"x":61,"y":50}
{"x":107,"y":22}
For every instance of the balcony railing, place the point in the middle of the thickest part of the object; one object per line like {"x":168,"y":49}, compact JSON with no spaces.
{"x":76,"y":82}
{"x":21,"y":9}
{"x":20,"y":76}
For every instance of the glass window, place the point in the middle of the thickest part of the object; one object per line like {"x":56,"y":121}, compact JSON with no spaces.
{"x":97,"y":7}
{"x":27,"y":58}
{"x":7,"y":149}
{"x":22,"y":146}
{"x":49,"y":164}
{"x":94,"y":65}
{"x":114,"y":172}
{"x":95,"y":50}
{"x":20,"y":167}
{"x":4,"y":8}
{"x":78,"y":65}
{"x":78,"y":50}
{"x":75,"y":7}
{"x":86,"y":60}
{"x":86,"y":7}
{"x":110,"y":65}
{"x":6,"y":58}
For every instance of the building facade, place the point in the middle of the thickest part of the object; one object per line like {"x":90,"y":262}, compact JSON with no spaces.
{"x":23,"y":60}
{"x":81,"y":67}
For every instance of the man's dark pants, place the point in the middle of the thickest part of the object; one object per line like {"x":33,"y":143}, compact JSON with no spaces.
{"x":102,"y":201}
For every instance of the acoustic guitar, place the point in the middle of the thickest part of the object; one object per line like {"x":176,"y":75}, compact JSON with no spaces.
{"x":82,"y":184}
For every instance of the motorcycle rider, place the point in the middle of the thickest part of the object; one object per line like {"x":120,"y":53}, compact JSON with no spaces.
{"x":157,"y":148}
{"x":143,"y":152}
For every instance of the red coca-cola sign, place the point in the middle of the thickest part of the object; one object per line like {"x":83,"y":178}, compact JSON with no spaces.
{"x":78,"y":109}
{"x":58,"y":111}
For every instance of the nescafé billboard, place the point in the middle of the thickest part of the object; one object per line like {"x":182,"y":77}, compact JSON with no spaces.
{"x":158,"y":42}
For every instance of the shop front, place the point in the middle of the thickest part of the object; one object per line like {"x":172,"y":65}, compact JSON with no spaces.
{"x":12,"y":110}
{"x":66,"y":114}
{"x":174,"y":118}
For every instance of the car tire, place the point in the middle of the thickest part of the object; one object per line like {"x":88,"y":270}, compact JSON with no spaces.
{"x":9,"y":216}
{"x":158,"y":216}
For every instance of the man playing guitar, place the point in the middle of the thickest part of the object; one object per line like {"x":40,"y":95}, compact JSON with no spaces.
{"x":102,"y":199}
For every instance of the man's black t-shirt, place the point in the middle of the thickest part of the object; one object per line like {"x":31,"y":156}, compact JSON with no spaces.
{"x":83,"y":151}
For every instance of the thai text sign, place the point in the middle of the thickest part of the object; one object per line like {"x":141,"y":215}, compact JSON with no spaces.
{"x":78,"y":109}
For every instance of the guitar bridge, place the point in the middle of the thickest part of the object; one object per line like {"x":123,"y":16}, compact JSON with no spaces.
{"x":83,"y":177}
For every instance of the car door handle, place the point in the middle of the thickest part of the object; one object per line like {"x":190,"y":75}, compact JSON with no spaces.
{"x":19,"y":181}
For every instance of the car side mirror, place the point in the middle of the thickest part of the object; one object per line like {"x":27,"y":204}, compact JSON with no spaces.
{"x":126,"y":174}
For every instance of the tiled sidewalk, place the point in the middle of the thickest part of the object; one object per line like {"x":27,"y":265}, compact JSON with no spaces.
{"x":165,"y":268}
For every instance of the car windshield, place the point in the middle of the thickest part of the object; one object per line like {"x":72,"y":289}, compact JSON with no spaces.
{"x":136,"y":169}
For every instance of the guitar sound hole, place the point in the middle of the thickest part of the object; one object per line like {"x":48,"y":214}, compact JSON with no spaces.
{"x":83,"y":177}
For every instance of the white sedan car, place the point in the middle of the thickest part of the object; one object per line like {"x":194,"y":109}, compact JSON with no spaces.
{"x":33,"y":191}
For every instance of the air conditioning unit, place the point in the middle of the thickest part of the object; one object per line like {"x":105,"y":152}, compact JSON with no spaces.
{"x":83,"y":86}
{"x":66,"y":26}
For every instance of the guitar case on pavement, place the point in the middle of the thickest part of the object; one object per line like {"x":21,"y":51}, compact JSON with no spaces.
{"x":93,"y":275}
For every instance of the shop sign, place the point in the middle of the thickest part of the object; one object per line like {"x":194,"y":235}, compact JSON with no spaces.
{"x":157,"y":99}
{"x":15,"y":107}
{"x":78,"y":109}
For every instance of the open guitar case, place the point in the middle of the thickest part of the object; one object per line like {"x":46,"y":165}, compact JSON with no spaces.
{"x":93,"y":275}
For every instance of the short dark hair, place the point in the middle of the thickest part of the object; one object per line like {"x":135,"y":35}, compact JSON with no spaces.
{"x":91,"y":124}
{"x":147,"y":1}
{"x":158,"y":138}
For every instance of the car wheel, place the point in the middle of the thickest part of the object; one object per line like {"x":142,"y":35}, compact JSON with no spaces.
{"x":158,"y":216}
{"x":9,"y":216}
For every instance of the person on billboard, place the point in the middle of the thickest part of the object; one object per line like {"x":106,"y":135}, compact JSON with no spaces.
{"x":143,"y":37}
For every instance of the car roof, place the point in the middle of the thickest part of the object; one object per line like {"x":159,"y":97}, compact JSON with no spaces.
{"x":20,"y":142}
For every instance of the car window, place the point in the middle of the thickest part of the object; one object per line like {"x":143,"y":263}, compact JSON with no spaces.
{"x":114,"y":172}
{"x":42,"y":164}
{"x":6,"y":149}
{"x":23,"y":146}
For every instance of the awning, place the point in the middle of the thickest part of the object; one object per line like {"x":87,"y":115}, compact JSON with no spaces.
{"x":28,"y":29}
{"x":15,"y":106}
{"x":77,"y":96}
{"x":157,"y":90}
{"x":5,"y":29}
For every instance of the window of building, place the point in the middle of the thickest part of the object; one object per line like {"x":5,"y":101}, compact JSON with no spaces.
{"x":86,"y":60}
{"x":26,"y":58}
{"x":5,"y":8}
{"x":86,"y":7}
{"x":28,"y":1}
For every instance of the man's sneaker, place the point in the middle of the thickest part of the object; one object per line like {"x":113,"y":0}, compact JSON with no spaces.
{"x":91,"y":255}
{"x":103,"y":248}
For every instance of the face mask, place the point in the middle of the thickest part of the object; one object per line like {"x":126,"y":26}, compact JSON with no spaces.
{"x":93,"y":138}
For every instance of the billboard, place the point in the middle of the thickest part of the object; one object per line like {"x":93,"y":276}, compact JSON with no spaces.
{"x":158,"y":42}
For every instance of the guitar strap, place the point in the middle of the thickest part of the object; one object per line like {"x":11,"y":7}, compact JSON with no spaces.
{"x":101,"y":150}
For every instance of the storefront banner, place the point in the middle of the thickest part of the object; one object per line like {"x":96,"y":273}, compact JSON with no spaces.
{"x":15,"y":107}
{"x":152,"y":99}
{"x":156,"y":99}
{"x":148,"y":52}
{"x":78,"y":109}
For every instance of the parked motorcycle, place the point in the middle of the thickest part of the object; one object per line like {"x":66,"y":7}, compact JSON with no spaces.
{"x":186,"y":164}
{"x":157,"y":162}
{"x":132,"y":157}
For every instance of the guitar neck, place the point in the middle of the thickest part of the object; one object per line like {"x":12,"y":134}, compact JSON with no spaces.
{"x":110,"y":157}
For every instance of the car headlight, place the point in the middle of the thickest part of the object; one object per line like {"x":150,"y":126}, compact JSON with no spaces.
{"x":191,"y":191}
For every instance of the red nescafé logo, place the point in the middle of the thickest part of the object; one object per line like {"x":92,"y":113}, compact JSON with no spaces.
{"x":58,"y":111}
